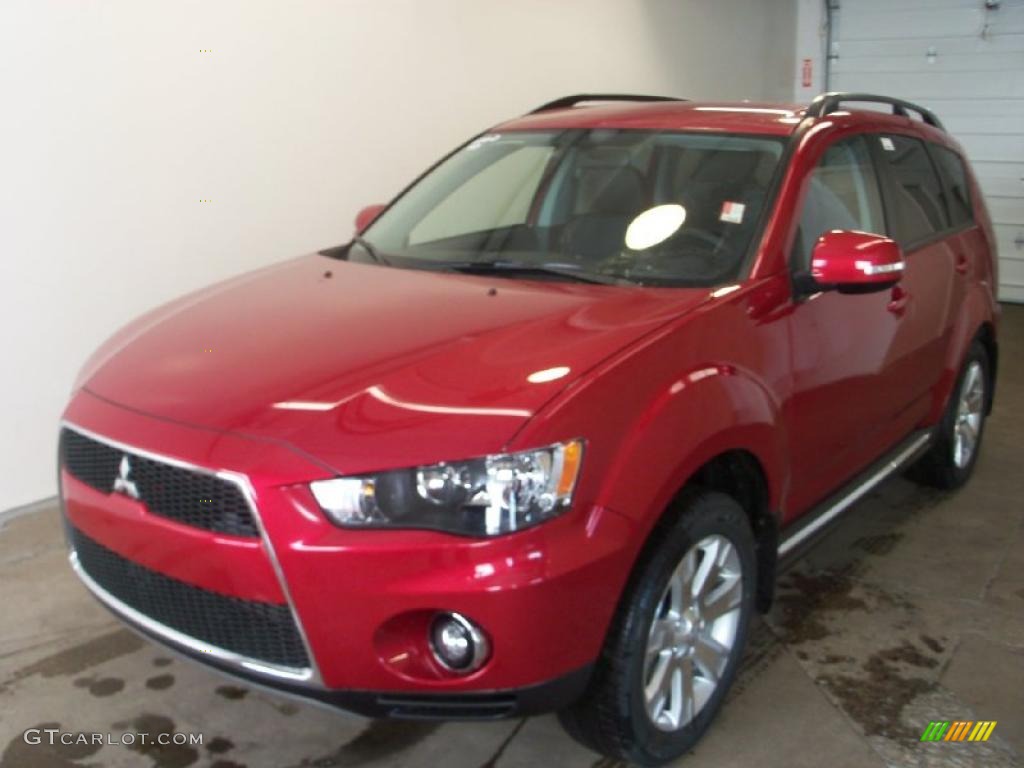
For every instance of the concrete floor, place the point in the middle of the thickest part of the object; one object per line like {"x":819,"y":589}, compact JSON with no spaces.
{"x":911,"y":610}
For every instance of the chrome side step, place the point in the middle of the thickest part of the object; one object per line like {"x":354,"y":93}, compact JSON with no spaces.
{"x":903,"y":454}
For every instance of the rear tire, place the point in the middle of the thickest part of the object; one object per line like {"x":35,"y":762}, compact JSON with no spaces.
{"x":676,"y":641}
{"x":950,"y":460}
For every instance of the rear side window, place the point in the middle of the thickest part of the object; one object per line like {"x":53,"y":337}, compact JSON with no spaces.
{"x":842,"y":193}
{"x":918,"y":211}
{"x":954,"y":177}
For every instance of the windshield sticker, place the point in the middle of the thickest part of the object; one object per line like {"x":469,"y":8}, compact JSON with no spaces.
{"x":887,"y":144}
{"x":732,"y":212}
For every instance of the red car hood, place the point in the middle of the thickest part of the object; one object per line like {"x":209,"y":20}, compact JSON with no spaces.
{"x":372,"y":367}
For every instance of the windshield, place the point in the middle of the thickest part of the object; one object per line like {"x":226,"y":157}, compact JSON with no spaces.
{"x":640,"y":206}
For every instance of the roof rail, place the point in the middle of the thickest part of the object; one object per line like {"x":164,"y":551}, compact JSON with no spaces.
{"x":830,"y":102}
{"x":571,"y":101}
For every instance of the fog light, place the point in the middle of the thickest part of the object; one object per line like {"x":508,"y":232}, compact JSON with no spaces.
{"x":458,"y":644}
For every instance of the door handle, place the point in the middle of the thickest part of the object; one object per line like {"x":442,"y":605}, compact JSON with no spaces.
{"x":898,"y":301}
{"x":962,"y":264}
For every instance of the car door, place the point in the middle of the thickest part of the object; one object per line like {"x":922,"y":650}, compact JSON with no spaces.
{"x":935,"y":258}
{"x":850,"y":400}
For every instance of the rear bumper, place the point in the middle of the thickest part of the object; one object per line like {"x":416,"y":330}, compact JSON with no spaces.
{"x":360,"y":599}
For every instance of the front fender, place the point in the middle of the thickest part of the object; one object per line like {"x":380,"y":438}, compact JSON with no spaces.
{"x":652,"y":416}
{"x":709,"y":410}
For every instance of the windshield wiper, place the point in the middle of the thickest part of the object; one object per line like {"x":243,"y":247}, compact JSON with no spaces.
{"x":524,"y":268}
{"x":370,"y":248}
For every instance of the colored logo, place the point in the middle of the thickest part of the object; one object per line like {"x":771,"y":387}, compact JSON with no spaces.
{"x":958,"y":730}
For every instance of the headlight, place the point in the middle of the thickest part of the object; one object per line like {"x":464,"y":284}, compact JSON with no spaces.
{"x":480,"y":497}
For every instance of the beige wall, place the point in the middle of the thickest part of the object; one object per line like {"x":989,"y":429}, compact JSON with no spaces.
{"x":115,"y":125}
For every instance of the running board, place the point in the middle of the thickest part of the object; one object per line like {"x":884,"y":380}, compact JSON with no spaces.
{"x":811,"y":523}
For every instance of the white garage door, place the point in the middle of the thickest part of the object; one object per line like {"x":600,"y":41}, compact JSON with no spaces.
{"x":966,"y":63}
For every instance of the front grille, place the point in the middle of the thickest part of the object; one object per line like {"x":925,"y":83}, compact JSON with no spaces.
{"x":262,"y":631}
{"x":186,"y":496}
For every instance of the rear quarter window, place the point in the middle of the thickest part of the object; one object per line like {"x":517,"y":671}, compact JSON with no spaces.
{"x":917,"y":207}
{"x":954,"y":178}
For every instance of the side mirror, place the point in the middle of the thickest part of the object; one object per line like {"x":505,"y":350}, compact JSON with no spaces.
{"x":366,"y":216}
{"x":856,"y":262}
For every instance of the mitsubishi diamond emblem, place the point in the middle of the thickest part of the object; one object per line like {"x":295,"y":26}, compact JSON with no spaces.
{"x":123,"y":483}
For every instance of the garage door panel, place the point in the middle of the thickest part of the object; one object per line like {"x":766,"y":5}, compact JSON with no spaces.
{"x":886,"y":6}
{"x":1013,"y":188}
{"x":1011,"y":272}
{"x":1001,"y":108}
{"x":1006,"y":210}
{"x":927,"y":85}
{"x":979,"y":61}
{"x":1002,"y":148}
{"x":978,"y":123}
{"x":879,"y":23}
{"x":973,"y":43}
{"x":906,"y":24}
{"x":1004,"y":171}
{"x":1014,"y":293}
{"x":1006,"y":237}
{"x":1009,"y":186}
{"x":973,"y":81}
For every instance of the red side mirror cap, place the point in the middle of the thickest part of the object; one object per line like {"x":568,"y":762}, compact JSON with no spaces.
{"x":366,"y":216}
{"x":846,"y":259}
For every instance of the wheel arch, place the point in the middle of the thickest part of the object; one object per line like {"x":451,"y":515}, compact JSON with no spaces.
{"x":976,"y":322}
{"x":735,"y":443}
{"x":986,"y":336}
{"x":741,"y":475}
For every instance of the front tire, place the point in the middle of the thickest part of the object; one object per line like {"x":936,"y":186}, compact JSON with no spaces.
{"x":674,"y":647}
{"x":950,"y":460}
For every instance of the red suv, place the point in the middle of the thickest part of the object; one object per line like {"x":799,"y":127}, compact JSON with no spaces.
{"x":540,"y":436}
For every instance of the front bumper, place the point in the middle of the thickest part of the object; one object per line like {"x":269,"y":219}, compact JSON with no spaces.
{"x":549,"y":696}
{"x":360,"y":599}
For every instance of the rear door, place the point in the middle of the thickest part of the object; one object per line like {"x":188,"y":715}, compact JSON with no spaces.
{"x":966,"y":238}
{"x":917,"y":205}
